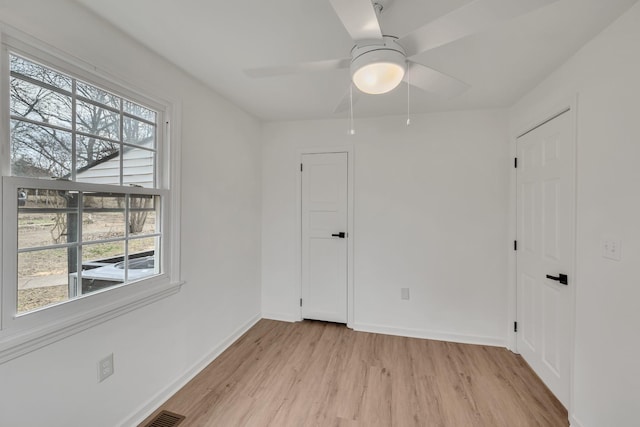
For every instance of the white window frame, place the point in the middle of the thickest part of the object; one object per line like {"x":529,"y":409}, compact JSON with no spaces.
{"x":20,"y":334}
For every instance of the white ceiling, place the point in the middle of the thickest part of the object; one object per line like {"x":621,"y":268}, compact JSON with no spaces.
{"x":216,"y":40}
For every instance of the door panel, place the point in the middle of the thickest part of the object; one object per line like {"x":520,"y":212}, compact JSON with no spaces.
{"x":550,"y":220}
{"x":528,"y":193}
{"x":325,"y":284}
{"x":528,"y":325}
{"x":551,"y":318}
{"x":324,"y":257}
{"x":546,"y":217}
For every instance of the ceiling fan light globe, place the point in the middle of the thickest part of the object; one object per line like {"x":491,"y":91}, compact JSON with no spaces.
{"x":378,"y":78}
{"x":377,"y":69}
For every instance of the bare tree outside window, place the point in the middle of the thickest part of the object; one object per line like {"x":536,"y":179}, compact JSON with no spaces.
{"x":42,"y":144}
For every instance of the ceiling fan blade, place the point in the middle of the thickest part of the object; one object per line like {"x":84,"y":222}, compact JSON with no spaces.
{"x":433,"y":81}
{"x":345,"y":102}
{"x":303,"y":67}
{"x":469,"y":19}
{"x":359,"y":18}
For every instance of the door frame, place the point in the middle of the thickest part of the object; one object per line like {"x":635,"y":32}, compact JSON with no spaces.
{"x":349,"y":150}
{"x":533,"y":119}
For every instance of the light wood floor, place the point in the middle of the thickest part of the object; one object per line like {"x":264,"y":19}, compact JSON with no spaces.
{"x":322,"y":374}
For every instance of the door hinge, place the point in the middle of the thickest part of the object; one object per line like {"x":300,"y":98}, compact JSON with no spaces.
{"x":515,"y":326}
{"x":515,"y":245}
{"x":515,"y":162}
{"x":300,"y":167}
{"x":300,"y":302}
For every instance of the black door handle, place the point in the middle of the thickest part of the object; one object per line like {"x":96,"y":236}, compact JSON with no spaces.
{"x":341,"y":235}
{"x":562,"y":278}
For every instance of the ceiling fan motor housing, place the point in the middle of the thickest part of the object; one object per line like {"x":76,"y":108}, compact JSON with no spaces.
{"x":378,"y":67}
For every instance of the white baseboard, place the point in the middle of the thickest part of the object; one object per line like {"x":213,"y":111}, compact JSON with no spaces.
{"x":284,"y":317}
{"x":574,"y":422}
{"x":164,"y":394}
{"x":431,"y":335}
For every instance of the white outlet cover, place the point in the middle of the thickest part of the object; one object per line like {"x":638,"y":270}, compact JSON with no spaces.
{"x":404,"y":293}
{"x":105,"y":368}
{"x":611,"y":247}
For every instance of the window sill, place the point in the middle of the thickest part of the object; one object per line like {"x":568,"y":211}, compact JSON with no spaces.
{"x":19,"y":344}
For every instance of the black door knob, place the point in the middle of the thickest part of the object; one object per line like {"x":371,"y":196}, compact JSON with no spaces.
{"x":341,"y":235}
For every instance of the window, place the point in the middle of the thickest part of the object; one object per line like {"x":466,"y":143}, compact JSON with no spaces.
{"x":85,"y":198}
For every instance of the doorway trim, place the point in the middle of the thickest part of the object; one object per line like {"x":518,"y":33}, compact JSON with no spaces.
{"x":533,"y":119}
{"x":349,"y":150}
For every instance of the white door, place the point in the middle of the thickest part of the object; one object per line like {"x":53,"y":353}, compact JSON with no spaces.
{"x":546,"y":217}
{"x":324,"y":237}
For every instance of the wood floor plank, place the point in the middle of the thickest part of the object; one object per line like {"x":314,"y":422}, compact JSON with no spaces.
{"x":323,"y":374}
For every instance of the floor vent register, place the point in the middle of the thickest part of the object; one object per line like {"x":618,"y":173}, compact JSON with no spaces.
{"x":165,"y":419}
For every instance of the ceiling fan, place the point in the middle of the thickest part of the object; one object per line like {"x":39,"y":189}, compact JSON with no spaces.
{"x":379,"y":62}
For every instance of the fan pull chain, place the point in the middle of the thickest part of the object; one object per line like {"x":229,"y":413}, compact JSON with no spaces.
{"x":408,"y":97}
{"x":352,"y":131}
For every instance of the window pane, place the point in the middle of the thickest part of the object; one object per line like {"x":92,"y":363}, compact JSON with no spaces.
{"x":139,"y":133}
{"x":39,"y":151}
{"x":139,"y":111}
{"x":138,"y":167}
{"x":98,"y":95}
{"x":103,"y":216}
{"x":40,"y":73}
{"x":142,"y":247}
{"x":100,"y":254}
{"x":144,"y":258}
{"x":46,"y":217}
{"x":97,"y":121}
{"x":43,"y":278}
{"x":46,"y":229}
{"x":97,"y":160}
{"x":40,"y":104}
{"x":99,"y":266}
{"x":142,"y":215}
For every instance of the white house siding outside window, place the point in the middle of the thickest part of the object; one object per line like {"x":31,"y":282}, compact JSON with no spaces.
{"x":86,"y":199}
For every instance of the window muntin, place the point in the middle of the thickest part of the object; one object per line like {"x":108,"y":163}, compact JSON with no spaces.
{"x":71,"y":241}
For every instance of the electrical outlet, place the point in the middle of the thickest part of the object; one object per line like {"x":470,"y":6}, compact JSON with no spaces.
{"x":404,"y":293}
{"x":611,"y":248}
{"x":105,"y":368}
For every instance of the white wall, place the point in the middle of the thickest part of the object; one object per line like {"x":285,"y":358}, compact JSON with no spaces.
{"x":430,"y":215}
{"x":606,"y":76}
{"x":158,"y":344}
